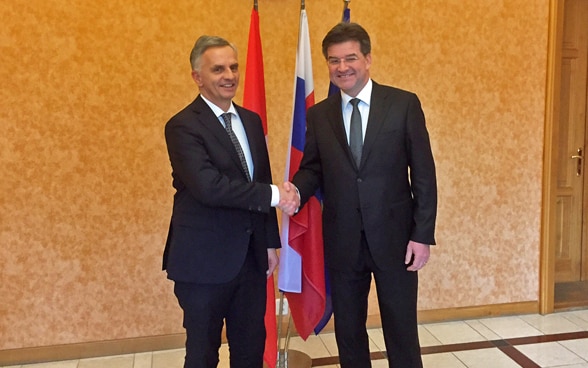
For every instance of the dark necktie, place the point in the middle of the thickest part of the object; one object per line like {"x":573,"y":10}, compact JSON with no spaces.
{"x":229,"y":128}
{"x":355,"y":132}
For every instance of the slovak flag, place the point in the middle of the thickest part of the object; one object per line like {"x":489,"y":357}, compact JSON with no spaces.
{"x":254,"y":99}
{"x":301,"y":274}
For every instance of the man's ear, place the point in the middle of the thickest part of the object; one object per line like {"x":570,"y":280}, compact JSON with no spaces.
{"x":196,"y":77}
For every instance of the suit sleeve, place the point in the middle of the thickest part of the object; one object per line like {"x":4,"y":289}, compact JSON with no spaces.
{"x":422,"y":174}
{"x":204,"y":168}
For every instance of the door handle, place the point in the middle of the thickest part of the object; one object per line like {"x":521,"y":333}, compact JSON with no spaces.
{"x":578,"y":156}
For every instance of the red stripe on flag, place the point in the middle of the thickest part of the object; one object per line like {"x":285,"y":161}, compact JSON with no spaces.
{"x":305,"y":228}
{"x":309,"y":100}
{"x":254,"y":88}
{"x":254,"y":99}
{"x":306,"y":237}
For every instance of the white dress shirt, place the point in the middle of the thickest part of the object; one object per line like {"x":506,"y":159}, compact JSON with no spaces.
{"x":365,"y":97}
{"x":239,"y":131}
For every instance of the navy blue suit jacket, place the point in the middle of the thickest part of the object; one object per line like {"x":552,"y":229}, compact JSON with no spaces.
{"x":217,"y":213}
{"x":391,"y":196}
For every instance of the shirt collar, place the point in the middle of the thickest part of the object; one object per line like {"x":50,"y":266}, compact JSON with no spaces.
{"x":365,"y":95}
{"x":217,"y":110}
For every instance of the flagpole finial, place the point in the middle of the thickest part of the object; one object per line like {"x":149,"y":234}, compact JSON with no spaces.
{"x":346,"y":3}
{"x":302,"y":5}
{"x":255,"y":5}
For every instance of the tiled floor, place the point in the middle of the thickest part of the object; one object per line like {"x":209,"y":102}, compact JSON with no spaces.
{"x":555,"y":340}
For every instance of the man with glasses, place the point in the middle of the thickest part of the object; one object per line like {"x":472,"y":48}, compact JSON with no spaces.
{"x":368,"y":150}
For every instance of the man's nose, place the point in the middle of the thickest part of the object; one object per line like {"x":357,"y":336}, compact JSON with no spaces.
{"x":342,"y":65}
{"x":228,"y":73}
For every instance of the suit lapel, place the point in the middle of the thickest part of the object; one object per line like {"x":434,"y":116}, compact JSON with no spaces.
{"x":210,"y":121}
{"x":335,"y":118}
{"x":376,"y":119}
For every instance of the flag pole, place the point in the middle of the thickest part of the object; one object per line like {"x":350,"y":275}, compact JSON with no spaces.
{"x":255,"y":5}
{"x":281,"y":352}
{"x":286,"y":357}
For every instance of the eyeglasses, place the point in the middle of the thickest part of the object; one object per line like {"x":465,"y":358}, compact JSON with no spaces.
{"x":347,"y":59}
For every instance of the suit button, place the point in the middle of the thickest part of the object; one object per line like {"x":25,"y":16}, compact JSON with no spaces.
{"x":259,"y":208}
{"x":249,"y":231}
{"x":359,"y":180}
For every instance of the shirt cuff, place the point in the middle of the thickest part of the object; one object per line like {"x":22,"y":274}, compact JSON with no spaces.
{"x":275,"y":195}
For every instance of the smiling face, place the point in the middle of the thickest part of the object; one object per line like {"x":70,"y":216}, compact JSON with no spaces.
{"x":217,"y":75}
{"x":348,"y":67}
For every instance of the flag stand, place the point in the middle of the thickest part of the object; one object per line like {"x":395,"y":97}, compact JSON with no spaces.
{"x":288,"y":358}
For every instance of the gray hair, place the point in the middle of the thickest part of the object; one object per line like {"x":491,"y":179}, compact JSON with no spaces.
{"x":204,"y":43}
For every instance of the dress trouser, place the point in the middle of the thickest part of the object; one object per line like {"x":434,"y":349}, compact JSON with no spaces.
{"x":397,"y":298}
{"x":240,"y":303}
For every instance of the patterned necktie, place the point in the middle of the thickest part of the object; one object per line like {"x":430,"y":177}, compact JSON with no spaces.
{"x":355,"y":132}
{"x":229,"y":128}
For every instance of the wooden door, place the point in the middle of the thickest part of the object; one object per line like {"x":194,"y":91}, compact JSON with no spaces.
{"x":572,"y":195}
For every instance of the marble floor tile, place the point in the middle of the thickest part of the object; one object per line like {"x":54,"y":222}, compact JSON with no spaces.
{"x":143,"y":360}
{"x":380,"y":363}
{"x":510,"y":327}
{"x":377,"y":342}
{"x":224,"y":356}
{"x":313,"y":346}
{"x":485,"y":358}
{"x":579,"y":346}
{"x":577,"y":318}
{"x":550,"y":354}
{"x":453,"y":332}
{"x":121,"y":361}
{"x":442,"y":360}
{"x":583,"y":314}
{"x":330,"y":343}
{"x":456,"y":344}
{"x":168,"y":359}
{"x":426,"y":338}
{"x":551,"y":323}
{"x":483,"y":330}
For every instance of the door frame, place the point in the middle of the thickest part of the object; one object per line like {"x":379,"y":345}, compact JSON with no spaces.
{"x":552,"y":108}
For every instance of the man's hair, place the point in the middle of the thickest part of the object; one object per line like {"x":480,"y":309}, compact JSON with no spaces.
{"x":202,"y":44}
{"x":344,"y":32}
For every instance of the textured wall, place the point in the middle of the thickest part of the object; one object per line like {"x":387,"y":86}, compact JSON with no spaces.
{"x":85,"y":194}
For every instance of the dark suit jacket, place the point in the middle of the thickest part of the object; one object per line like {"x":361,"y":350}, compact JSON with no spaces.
{"x":217,"y":214}
{"x":392,"y":195}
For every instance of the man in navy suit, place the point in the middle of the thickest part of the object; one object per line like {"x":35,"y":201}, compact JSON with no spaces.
{"x":223,"y":233}
{"x":368,"y":150}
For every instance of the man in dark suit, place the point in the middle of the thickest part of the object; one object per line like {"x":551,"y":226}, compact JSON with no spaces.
{"x":368,"y":150}
{"x":223,"y":233}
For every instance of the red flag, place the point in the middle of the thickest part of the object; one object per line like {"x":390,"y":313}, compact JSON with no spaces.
{"x":302,"y":272}
{"x":254,"y":99}
{"x":254,"y":91}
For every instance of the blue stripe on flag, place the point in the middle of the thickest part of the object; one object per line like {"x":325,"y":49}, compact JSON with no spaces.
{"x":299,"y":120}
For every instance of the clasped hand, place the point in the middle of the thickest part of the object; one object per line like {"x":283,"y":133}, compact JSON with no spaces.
{"x":289,"y":198}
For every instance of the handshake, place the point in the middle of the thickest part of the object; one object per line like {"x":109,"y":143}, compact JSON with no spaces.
{"x":289,"y":198}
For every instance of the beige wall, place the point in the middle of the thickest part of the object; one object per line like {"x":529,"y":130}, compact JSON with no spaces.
{"x":85,"y":195}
